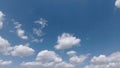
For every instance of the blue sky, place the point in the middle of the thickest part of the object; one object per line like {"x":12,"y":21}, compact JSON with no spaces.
{"x":59,"y":33}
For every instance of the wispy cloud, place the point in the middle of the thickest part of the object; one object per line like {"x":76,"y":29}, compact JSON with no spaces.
{"x":38,"y":31}
{"x":1,"y":19}
{"x":20,"y":31}
{"x":42,"y":22}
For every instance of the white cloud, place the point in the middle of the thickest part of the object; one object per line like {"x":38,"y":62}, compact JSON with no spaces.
{"x":45,"y":59}
{"x":4,"y":63}
{"x":64,"y":65}
{"x":1,"y":19}
{"x":71,"y":53}
{"x":49,"y":65}
{"x":20,"y":31}
{"x":42,"y":22}
{"x":19,"y":50}
{"x":38,"y":32}
{"x":103,"y":61}
{"x":117,"y":3}
{"x":21,"y":34}
{"x":30,"y":64}
{"x":37,"y":64}
{"x":17,"y":25}
{"x":75,"y":60}
{"x":47,"y":56}
{"x":37,"y":40}
{"x":66,"y":41}
{"x":49,"y":59}
{"x":22,"y":51}
{"x":4,"y":46}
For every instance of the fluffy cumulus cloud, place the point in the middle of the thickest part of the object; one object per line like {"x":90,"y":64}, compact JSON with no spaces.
{"x":44,"y":58}
{"x":117,"y":3}
{"x":64,"y":65}
{"x":22,"y":51}
{"x":75,"y":60}
{"x":20,"y":31}
{"x":49,"y":59}
{"x":19,"y":50}
{"x":47,"y":56}
{"x":1,"y":19}
{"x":4,"y":46}
{"x":66,"y":41}
{"x":4,"y":63}
{"x":103,"y":61}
